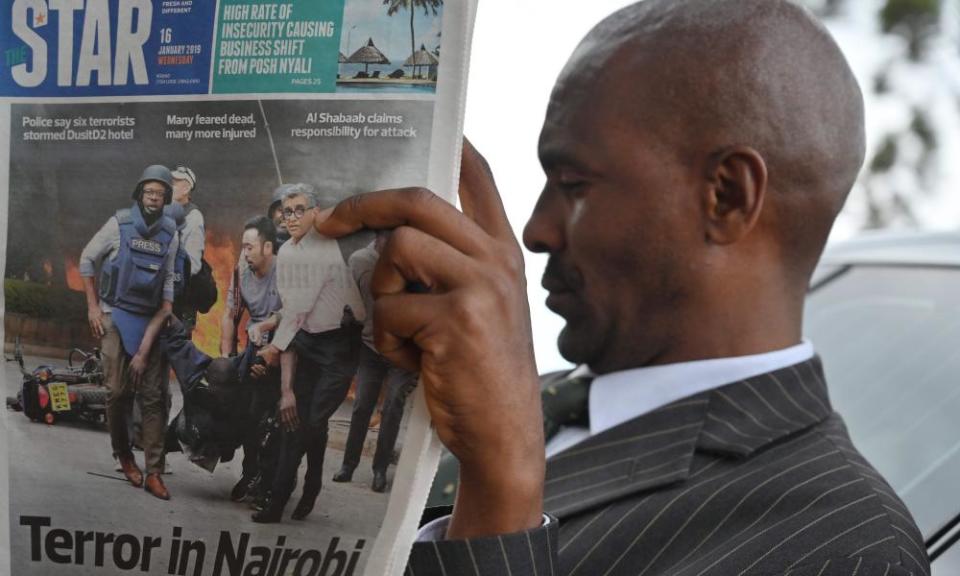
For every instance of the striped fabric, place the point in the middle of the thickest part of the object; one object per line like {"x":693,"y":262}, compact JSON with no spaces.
{"x":565,"y":401}
{"x":755,"y":478}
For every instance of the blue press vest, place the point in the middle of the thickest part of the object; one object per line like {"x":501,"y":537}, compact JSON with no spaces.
{"x":133,"y":281}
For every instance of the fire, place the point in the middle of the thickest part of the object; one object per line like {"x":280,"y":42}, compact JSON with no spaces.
{"x":74,"y":282}
{"x":222,"y":255}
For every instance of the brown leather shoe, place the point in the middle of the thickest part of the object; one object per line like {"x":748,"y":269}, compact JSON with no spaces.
{"x":154,"y":485}
{"x":130,"y":469}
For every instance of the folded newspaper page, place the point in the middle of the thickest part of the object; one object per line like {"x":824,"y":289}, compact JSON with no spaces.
{"x":191,"y":383}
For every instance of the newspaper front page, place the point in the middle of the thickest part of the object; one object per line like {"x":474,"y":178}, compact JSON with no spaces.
{"x":150,"y":149}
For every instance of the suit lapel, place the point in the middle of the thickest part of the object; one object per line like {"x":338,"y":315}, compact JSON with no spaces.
{"x":657,"y":449}
{"x":641,"y":454}
{"x":748,"y":415}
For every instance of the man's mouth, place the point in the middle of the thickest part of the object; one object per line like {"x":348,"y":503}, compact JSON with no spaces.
{"x":557,"y":302}
{"x":561,"y":284}
{"x":554,"y":285}
{"x":558,"y":278}
{"x":560,"y":293}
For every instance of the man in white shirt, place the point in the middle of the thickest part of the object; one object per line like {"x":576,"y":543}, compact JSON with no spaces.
{"x":319,"y":340}
{"x":694,"y":169}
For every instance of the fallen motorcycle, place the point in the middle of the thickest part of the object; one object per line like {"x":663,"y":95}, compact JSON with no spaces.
{"x":49,"y":394}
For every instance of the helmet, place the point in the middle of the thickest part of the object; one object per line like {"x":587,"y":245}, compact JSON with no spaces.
{"x":157,"y":173}
{"x":182,"y":172}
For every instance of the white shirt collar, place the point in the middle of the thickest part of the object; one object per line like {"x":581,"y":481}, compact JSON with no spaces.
{"x":621,"y":396}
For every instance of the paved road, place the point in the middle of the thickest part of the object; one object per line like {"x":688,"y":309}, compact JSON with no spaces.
{"x":66,"y":472}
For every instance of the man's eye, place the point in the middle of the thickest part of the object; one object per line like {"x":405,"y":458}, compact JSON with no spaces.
{"x":571,"y":185}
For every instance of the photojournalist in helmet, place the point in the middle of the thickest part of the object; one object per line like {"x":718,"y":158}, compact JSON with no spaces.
{"x":128,"y":275}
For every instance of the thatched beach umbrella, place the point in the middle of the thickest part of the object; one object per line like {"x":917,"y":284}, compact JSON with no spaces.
{"x":421,"y":58}
{"x":341,"y":59}
{"x":368,"y":55}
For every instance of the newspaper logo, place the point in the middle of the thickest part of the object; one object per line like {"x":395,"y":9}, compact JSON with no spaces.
{"x":110,"y":43}
{"x":148,"y":246}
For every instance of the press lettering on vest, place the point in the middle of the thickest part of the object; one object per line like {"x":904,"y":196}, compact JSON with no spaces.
{"x":112,"y":64}
{"x":141,"y":245}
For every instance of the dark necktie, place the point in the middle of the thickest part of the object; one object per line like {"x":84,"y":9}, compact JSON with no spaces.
{"x":565,"y":403}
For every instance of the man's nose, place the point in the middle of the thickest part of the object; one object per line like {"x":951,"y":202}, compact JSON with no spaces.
{"x":544,"y":231}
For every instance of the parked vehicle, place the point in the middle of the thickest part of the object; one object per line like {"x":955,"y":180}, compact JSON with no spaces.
{"x":883,"y":312}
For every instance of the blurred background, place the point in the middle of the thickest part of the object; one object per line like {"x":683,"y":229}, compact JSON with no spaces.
{"x":905,"y":54}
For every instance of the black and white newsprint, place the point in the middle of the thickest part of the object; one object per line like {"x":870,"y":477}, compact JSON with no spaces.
{"x":152,"y":151}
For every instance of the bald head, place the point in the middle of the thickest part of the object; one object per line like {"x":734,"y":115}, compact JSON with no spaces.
{"x":696,"y":154}
{"x":713,"y":74}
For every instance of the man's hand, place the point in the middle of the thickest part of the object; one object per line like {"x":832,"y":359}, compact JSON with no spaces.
{"x":258,"y":371}
{"x":138,"y":365}
{"x":288,"y":410}
{"x":255,"y":333}
{"x":271,"y":358}
{"x":270,"y":354}
{"x":95,"y":319}
{"x":469,"y":337}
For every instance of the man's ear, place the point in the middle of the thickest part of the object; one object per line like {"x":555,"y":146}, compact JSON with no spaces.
{"x":737,"y":178}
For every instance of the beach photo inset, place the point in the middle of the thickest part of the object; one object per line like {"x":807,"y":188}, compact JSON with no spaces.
{"x":390,"y":47}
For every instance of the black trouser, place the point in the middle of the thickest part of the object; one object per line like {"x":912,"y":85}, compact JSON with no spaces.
{"x":374,"y":368}
{"x":265,"y":392}
{"x":326,"y":364}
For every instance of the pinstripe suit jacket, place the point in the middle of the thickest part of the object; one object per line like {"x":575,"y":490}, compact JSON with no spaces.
{"x":756,"y":477}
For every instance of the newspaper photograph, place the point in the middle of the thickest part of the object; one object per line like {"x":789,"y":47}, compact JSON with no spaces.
{"x":191,"y":381}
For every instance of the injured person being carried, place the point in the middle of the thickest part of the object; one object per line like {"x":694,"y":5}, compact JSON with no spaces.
{"x":216,"y":395}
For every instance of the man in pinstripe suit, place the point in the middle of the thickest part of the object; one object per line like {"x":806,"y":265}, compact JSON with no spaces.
{"x":696,"y":153}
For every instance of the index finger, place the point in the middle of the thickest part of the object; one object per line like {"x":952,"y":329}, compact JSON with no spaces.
{"x":479,"y":195}
{"x":415,"y":207}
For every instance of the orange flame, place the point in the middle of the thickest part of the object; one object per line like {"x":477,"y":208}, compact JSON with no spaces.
{"x":221,"y":254}
{"x":222,"y":257}
{"x":74,"y":282}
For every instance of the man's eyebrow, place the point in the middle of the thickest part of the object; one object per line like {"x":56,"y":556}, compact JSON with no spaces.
{"x":555,"y":158}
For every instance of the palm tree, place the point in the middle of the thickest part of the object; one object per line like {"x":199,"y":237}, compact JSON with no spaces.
{"x":394,"y":6}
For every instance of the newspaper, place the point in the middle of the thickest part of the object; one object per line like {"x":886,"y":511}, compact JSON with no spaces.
{"x":243,"y":102}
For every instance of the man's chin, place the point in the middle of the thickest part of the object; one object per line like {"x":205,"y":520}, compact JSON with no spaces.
{"x":577,"y":345}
